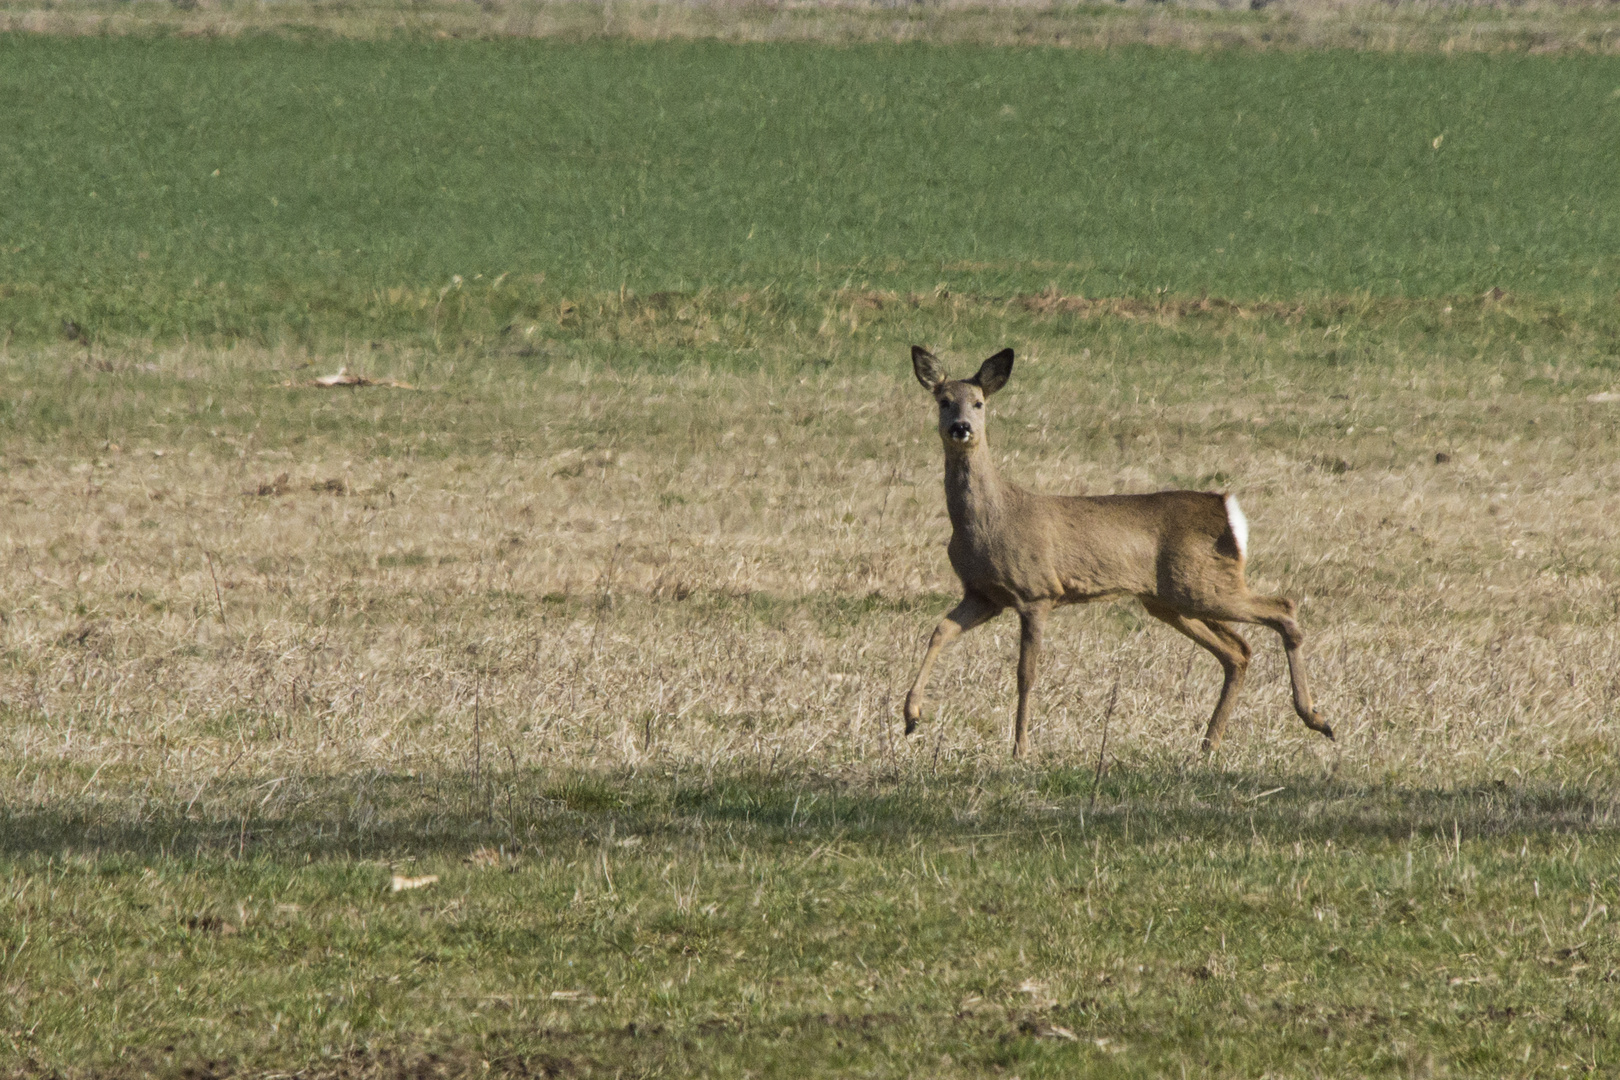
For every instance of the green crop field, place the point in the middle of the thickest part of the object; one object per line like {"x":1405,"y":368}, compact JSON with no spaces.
{"x":271,"y":190}
{"x":534,"y":709}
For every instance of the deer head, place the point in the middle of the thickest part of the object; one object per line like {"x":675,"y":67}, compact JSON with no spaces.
{"x":961,"y":401}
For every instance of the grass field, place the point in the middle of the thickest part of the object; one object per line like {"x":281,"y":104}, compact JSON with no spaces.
{"x":605,"y":621}
{"x":310,"y":193}
{"x":640,"y":636}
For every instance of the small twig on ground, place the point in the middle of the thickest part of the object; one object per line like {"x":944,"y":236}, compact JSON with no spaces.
{"x":888,"y":736}
{"x":478,"y":739}
{"x":345,"y":377}
{"x":1102,"y":750}
{"x":219,"y":597}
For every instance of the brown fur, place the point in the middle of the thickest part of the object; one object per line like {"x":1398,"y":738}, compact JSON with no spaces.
{"x":1175,"y":551}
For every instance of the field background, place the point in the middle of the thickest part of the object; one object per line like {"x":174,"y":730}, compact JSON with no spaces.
{"x":275,"y":192}
{"x":604,"y":617}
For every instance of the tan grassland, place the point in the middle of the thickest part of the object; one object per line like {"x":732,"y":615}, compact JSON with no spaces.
{"x":1542,"y":26}
{"x":568,"y":560}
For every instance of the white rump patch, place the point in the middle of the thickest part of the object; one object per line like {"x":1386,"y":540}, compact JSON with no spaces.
{"x":1239,"y":525}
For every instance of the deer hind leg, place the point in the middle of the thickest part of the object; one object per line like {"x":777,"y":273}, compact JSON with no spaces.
{"x":971,"y":612}
{"x":1227,"y":646}
{"x":1032,"y":624}
{"x":1277,"y":612}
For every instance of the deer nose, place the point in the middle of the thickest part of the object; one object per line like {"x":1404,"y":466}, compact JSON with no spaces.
{"x":961,"y":431}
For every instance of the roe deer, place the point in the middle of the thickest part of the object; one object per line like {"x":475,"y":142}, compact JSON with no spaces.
{"x":1179,"y":552}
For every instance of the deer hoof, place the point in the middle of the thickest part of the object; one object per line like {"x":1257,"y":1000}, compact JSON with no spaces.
{"x":1316,"y":723}
{"x":912,"y":713}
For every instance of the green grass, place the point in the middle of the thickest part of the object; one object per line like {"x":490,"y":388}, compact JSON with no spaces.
{"x":495,"y":397}
{"x":749,"y":924}
{"x":356,"y":180}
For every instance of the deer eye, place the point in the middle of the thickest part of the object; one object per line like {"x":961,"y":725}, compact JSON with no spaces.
{"x":978,"y":404}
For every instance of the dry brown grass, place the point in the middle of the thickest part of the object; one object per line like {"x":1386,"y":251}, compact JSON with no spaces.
{"x":581,"y":567}
{"x":1537,"y":26}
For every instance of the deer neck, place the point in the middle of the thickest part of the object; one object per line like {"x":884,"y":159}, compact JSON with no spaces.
{"x":974,"y":493}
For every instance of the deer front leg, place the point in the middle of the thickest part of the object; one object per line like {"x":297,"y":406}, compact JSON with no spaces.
{"x":972,"y":611}
{"x":1031,"y":624}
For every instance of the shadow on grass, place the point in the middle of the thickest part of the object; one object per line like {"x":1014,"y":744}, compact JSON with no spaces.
{"x":399,"y":816}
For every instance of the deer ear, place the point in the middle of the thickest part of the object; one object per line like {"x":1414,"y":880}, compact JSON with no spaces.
{"x":927,"y":366}
{"x":994,"y":372}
